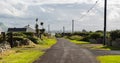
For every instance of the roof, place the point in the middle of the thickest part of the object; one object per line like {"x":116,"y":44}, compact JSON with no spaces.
{"x":17,"y":29}
{"x":29,"y":29}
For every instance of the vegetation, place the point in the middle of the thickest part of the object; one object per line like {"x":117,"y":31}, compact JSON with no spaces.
{"x":115,"y":34}
{"x":102,"y":47}
{"x":79,"y":42}
{"x":27,"y":54}
{"x":109,"y":59}
{"x":96,"y":35}
{"x":35,"y":39}
{"x":22,"y":55}
{"x":76,"y":37}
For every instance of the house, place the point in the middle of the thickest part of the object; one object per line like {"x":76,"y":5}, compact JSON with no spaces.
{"x":29,"y":29}
{"x":24,"y":29}
{"x":17,"y":29}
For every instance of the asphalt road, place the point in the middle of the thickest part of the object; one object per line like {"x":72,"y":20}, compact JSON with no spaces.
{"x":66,"y":52}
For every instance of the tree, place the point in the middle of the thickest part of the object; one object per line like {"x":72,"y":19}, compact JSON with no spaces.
{"x":41,"y":30}
{"x":41,"y":23}
{"x":115,"y":34}
{"x":36,"y":28}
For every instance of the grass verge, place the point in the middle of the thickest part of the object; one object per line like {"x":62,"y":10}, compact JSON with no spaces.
{"x":26,"y":54}
{"x":94,"y":46}
{"x":109,"y":59}
{"x":79,"y":42}
{"x":22,"y":55}
{"x":102,"y":47}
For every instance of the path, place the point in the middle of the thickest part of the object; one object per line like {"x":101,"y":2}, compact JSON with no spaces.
{"x":67,"y":52}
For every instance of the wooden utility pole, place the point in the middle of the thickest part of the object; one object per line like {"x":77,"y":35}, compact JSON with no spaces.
{"x":72,"y":26}
{"x":48,"y":28}
{"x":63,"y":29}
{"x":105,"y":19}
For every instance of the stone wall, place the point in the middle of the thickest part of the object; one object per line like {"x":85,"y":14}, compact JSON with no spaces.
{"x":4,"y":46}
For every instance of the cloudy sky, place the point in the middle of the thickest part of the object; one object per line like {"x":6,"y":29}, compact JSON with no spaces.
{"x":59,"y":13}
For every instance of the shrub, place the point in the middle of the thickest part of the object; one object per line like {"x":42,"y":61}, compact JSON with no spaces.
{"x":76,"y":37}
{"x":29,"y":33}
{"x":81,"y":33}
{"x":19,"y":34}
{"x":34,"y":39}
{"x":85,"y":38}
{"x":58,"y":35}
{"x":18,"y":38}
{"x":115,"y":34}
{"x":96,"y":35}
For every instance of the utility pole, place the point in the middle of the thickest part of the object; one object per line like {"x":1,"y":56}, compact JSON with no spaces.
{"x":105,"y":19}
{"x":48,"y":28}
{"x":63,"y":29}
{"x":72,"y":26}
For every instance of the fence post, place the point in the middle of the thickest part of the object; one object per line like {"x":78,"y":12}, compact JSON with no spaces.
{"x":3,"y":36}
{"x":11,"y":39}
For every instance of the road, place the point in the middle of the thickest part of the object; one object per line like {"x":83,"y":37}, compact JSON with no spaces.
{"x":66,"y":52}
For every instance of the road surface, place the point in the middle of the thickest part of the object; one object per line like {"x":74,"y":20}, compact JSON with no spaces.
{"x":66,"y":52}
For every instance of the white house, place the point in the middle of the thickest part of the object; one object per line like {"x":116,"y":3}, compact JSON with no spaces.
{"x":24,"y":29}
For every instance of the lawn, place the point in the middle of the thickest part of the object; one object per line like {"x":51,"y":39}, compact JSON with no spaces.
{"x":26,"y":54}
{"x":109,"y":59}
{"x":79,"y":42}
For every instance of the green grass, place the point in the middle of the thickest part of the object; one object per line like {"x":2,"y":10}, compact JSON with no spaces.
{"x":102,"y":47}
{"x":109,"y":59}
{"x":79,"y":42}
{"x":26,"y":54}
{"x":22,"y":55}
{"x":94,"y":46}
{"x":48,"y":43}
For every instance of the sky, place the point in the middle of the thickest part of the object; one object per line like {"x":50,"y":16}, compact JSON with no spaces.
{"x":59,"y":13}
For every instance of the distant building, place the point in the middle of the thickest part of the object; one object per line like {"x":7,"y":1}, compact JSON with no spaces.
{"x":17,"y":29}
{"x":24,"y":29}
{"x":29,"y":29}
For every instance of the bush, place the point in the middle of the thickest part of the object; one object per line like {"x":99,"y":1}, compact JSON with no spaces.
{"x":18,"y":38}
{"x":115,"y":34}
{"x":58,"y":35}
{"x":81,"y":33}
{"x":34,"y":39}
{"x":96,"y":35}
{"x":85,"y":38}
{"x":76,"y":37}
{"x":19,"y":34}
{"x":29,"y":33}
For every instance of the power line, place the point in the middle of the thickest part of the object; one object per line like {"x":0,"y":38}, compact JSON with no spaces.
{"x":82,"y":16}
